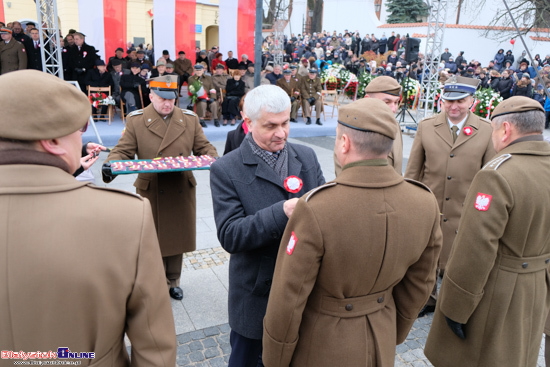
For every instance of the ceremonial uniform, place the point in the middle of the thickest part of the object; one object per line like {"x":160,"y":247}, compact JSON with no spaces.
{"x":290,"y":87}
{"x":172,"y":195}
{"x":448,"y":168}
{"x":311,"y":88}
{"x":13,"y":56}
{"x":219,"y":82}
{"x":496,"y":281}
{"x":206,"y":82}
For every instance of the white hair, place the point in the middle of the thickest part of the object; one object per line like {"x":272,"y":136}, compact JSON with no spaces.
{"x":265,"y":98}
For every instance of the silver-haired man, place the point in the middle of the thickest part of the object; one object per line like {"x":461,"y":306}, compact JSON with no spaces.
{"x":255,"y":189}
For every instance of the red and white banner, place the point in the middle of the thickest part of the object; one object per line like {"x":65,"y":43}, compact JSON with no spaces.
{"x":237,"y":25}
{"x":104,"y":24}
{"x":174,"y":27}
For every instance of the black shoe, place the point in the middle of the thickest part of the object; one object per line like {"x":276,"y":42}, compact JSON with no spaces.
{"x":318,"y":122}
{"x":293,"y":120}
{"x":176,"y":293}
{"x":426,"y":310}
{"x":216,"y":123}
{"x":308,"y":121}
{"x":203,"y":124}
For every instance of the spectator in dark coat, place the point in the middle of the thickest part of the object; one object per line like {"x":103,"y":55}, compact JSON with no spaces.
{"x":34,"y":55}
{"x":234,"y":92}
{"x":494,"y":79}
{"x":509,"y":58}
{"x":391,"y":41}
{"x":383,"y":43}
{"x":499,"y":59}
{"x":119,"y":55}
{"x":505,"y":84}
{"x":523,"y":87}
{"x":82,"y":59}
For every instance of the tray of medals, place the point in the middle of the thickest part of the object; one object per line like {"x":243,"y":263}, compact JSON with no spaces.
{"x":163,"y":164}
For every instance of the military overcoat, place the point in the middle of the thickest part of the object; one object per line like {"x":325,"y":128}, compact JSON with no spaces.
{"x":172,"y":195}
{"x":447,"y":168}
{"x":13,"y":56}
{"x":496,"y":281}
{"x":348,"y":287}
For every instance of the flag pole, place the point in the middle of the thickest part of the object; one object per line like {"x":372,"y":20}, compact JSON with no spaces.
{"x":258,"y":43}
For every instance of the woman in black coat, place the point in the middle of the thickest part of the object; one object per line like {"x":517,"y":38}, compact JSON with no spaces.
{"x":523,"y":87}
{"x":234,"y":92}
{"x":505,"y":85}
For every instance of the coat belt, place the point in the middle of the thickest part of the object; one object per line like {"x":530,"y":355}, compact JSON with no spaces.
{"x":355,"y":306}
{"x":523,"y":265}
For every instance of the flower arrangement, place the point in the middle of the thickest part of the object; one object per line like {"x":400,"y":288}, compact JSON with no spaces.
{"x":196,"y":91}
{"x":331,"y":83}
{"x":411,"y":93}
{"x":101,"y":99}
{"x":485,"y":102}
{"x":364,"y":80}
{"x":345,"y":81}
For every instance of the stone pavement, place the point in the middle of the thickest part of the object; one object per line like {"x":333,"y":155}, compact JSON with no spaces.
{"x":201,"y":317}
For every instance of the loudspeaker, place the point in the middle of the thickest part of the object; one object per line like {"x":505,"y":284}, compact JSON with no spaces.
{"x":411,"y":50}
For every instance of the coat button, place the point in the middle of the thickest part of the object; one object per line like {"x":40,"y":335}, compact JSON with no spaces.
{"x":161,"y":191}
{"x":381,"y":299}
{"x":452,"y":155}
{"x":448,"y":177}
{"x":524,"y":265}
{"x":160,"y":153}
{"x":456,"y":231}
{"x":444,"y":219}
{"x":547,"y":261}
{"x":447,"y":199}
{"x":349,"y":307}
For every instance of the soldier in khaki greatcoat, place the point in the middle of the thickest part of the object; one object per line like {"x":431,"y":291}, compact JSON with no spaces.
{"x":310,"y":89}
{"x":495,"y":295}
{"x":162,"y":130}
{"x":13,"y":55}
{"x":72,"y":277}
{"x":347,"y":287}
{"x":210,"y":102}
{"x":388,"y":90}
{"x":448,"y":150}
{"x":290,"y":86}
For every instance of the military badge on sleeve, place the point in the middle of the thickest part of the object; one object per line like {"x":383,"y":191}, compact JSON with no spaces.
{"x":482,"y":202}
{"x":291,"y":243}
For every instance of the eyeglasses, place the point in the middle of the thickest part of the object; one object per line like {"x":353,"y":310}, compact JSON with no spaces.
{"x":84,"y":128}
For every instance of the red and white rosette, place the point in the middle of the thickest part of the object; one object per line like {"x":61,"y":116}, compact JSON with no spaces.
{"x":468,"y":130}
{"x":293,"y":184}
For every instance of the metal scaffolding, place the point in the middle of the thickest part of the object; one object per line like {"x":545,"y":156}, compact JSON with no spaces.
{"x":434,"y":49}
{"x":48,"y":27}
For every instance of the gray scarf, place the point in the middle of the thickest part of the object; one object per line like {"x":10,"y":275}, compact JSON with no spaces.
{"x":279,"y":165}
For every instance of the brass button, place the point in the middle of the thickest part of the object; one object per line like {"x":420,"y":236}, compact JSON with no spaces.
{"x":381,"y":299}
{"x":349,"y":307}
{"x":448,"y":177}
{"x":524,"y":265}
{"x":452,"y":155}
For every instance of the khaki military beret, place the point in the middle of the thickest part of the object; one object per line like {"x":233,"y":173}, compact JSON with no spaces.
{"x":58,"y":108}
{"x":515,"y":105}
{"x":369,"y":115}
{"x":384,"y":84}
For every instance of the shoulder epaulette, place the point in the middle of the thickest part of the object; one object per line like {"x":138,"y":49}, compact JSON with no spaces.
{"x":312,"y":192}
{"x":115,"y":190}
{"x":418,"y":183}
{"x":135,"y":113}
{"x":496,"y":162}
{"x":188,"y":112}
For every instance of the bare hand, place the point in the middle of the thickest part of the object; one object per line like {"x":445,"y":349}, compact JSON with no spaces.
{"x":289,"y":206}
{"x":88,"y":161}
{"x":91,"y":147}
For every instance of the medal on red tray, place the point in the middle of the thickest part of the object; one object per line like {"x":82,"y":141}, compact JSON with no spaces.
{"x":293,"y":184}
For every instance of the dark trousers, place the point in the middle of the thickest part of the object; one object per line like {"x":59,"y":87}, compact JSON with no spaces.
{"x":547,"y":125}
{"x":245,"y":352}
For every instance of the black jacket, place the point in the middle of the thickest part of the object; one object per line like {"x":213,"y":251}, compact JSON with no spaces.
{"x":234,"y":139}
{"x":95,"y":79}
{"x":390,"y":43}
{"x":504,"y":86}
{"x":34,"y":56}
{"x":80,"y":61}
{"x":129,"y":83}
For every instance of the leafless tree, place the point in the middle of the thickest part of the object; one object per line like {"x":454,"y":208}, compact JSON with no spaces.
{"x":277,"y":10}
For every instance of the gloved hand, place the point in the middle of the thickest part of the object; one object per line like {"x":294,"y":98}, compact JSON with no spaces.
{"x":211,"y":100}
{"x":106,"y":171}
{"x":190,"y":107}
{"x":456,"y":328}
{"x":311,"y":101}
{"x":292,"y":99}
{"x":79,"y":70}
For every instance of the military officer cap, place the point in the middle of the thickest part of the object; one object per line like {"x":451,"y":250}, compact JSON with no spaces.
{"x":384,"y":84}
{"x":5,"y":31}
{"x":169,"y":65}
{"x":313,"y":71}
{"x":220,"y":66}
{"x":165,"y":86}
{"x":458,"y":87}
{"x":59,"y":109}
{"x":161,"y":62}
{"x":287,"y":72}
{"x":293,"y":67}
{"x":516,"y":104}
{"x":369,"y":115}
{"x":199,"y":66}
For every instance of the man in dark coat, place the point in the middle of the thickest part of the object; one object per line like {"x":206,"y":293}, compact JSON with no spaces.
{"x":390,"y":42}
{"x":130,"y":88}
{"x":34,"y":56}
{"x":20,"y":36}
{"x":119,"y":55}
{"x":254,"y":191}
{"x":231,"y":62}
{"x":81,"y":59}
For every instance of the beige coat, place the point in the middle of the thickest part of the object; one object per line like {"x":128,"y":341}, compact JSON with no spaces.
{"x":496,"y":281}
{"x":447,"y":168}
{"x":353,"y":284}
{"x":172,"y":195}
{"x":80,"y":267}
{"x":13,"y":56}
